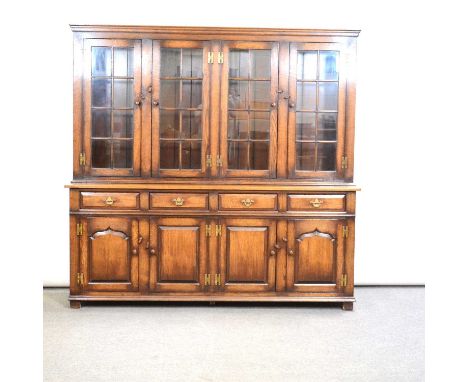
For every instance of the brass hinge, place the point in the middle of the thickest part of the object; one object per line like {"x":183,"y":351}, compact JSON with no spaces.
{"x":219,"y":161}
{"x":80,"y":279}
{"x":79,"y":229}
{"x":210,"y":57}
{"x":208,"y":230}
{"x":345,"y":231}
{"x":218,"y":279}
{"x":344,"y":280}
{"x":220,"y":58}
{"x":207,"y":279}
{"x":344,"y":162}
{"x":209,"y":163}
{"x":218,"y":230}
{"x":82,"y":159}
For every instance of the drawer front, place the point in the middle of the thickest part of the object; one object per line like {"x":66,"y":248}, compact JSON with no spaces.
{"x":248,"y":201}
{"x":317,"y":202}
{"x":112,"y":200}
{"x":163,"y":200}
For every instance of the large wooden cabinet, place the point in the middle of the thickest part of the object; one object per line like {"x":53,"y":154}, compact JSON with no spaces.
{"x":212,"y":164}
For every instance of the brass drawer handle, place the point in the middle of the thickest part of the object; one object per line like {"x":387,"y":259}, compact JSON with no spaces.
{"x":247,"y":202}
{"x":178,"y":202}
{"x":316,"y":203}
{"x":109,"y":201}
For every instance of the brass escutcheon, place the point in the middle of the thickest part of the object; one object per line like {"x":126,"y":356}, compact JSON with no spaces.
{"x":247,"y":202}
{"x":316,"y":203}
{"x":109,"y":201}
{"x":178,"y":202}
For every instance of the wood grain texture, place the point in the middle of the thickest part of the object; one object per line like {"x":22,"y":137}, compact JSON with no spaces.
{"x":275,"y":234}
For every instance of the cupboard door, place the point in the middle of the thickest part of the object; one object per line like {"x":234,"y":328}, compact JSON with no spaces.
{"x":249,"y":98}
{"x":109,"y":254}
{"x":315,"y":257}
{"x":112,"y":107}
{"x":178,"y":254}
{"x":317,"y":101}
{"x":180,"y":108}
{"x":247,"y":255}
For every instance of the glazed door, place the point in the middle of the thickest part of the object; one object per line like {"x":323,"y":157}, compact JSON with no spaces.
{"x":247,"y":257}
{"x":316,"y":120}
{"x":180,"y":108}
{"x":315,"y":258}
{"x":248,"y":104}
{"x":109,"y":254}
{"x":112,"y":103}
{"x":178,"y":254}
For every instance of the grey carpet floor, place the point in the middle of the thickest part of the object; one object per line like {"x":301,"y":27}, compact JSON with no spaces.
{"x":381,"y":340}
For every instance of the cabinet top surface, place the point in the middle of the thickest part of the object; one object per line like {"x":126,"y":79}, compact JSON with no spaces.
{"x":213,"y":30}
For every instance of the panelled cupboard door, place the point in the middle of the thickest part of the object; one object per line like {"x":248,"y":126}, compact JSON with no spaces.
{"x":315,"y":257}
{"x":178,"y":254}
{"x":180,"y":108}
{"x":316,"y":118}
{"x":112,"y":107}
{"x":247,"y":255}
{"x":109,"y":254}
{"x":249,"y":108}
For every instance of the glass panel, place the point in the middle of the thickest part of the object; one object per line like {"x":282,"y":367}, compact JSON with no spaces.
{"x":123,"y":154}
{"x":123,"y":93}
{"x":101,"y":123}
{"x":101,"y":61}
{"x":326,"y":126}
{"x":305,"y":156}
{"x":238,"y":94}
{"x":169,"y":156}
{"x":101,"y":92}
{"x":259,"y":155}
{"x":101,"y":153}
{"x":191,"y":155}
{"x":169,"y":124}
{"x":260,"y":63}
{"x":306,"y":95}
{"x":192,"y":62}
{"x":326,"y":156}
{"x":170,"y":62}
{"x":260,"y":95}
{"x":238,"y":155}
{"x":259,"y":125}
{"x":328,"y":96}
{"x":307,"y":65}
{"x":170,"y":93}
{"x":328,"y":65}
{"x":305,"y":126}
{"x":238,"y":125}
{"x":123,"y":124}
{"x":191,"y":124}
{"x":123,"y":62}
{"x":191,"y":94}
{"x":239,"y":63}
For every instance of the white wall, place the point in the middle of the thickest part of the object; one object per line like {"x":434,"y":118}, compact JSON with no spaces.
{"x":394,"y":121}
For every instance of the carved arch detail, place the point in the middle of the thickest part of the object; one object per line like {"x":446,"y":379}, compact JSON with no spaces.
{"x":318,"y":233}
{"x":109,"y":231}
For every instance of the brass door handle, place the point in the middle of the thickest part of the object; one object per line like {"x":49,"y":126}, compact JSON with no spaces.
{"x":316,"y":203}
{"x":155,"y":102}
{"x":178,"y":202}
{"x":291,"y":252}
{"x":272,"y":252}
{"x":247,"y":202}
{"x":292,"y":105}
{"x":153,"y":251}
{"x":109,"y":201}
{"x":273,"y":104}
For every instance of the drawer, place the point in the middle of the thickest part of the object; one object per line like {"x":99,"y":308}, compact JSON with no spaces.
{"x":163,"y":200}
{"x":317,"y":202}
{"x":248,"y":201}
{"x":112,"y":200}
